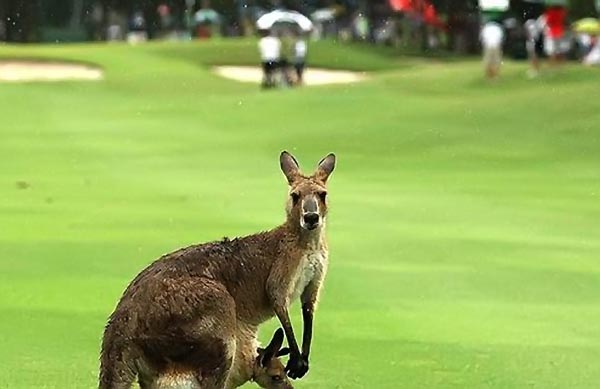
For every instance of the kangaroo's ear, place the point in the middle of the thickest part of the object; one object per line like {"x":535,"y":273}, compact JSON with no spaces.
{"x":261,"y":357}
{"x":273,"y":347}
{"x":325,"y":167}
{"x":289,"y":166}
{"x":283,"y":352}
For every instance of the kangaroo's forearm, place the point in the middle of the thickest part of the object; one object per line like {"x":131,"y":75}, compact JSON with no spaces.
{"x":284,"y":319}
{"x":307,"y":318}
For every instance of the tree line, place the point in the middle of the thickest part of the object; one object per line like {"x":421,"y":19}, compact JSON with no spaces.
{"x":20,"y":20}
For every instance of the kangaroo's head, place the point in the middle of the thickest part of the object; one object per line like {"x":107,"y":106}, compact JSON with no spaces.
{"x":269,"y":372}
{"x":307,"y":203}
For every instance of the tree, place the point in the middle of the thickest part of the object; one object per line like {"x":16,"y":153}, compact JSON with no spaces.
{"x":20,"y":19}
{"x":582,"y":8}
{"x":462,"y":23}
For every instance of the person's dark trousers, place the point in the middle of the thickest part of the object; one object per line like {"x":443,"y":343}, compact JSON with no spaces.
{"x":269,"y":68}
{"x":299,"y":67}
{"x":284,"y":69}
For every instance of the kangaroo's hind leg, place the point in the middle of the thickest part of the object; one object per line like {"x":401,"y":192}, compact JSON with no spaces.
{"x":147,"y":375}
{"x":117,"y":366}
{"x":196,"y":331}
{"x":215,"y":332}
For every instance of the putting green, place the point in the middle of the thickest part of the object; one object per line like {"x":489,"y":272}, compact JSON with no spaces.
{"x":464,"y":226}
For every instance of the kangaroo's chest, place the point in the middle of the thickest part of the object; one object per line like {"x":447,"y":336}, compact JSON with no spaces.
{"x":312,"y":264}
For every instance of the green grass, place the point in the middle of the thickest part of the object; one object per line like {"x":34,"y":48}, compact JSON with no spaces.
{"x":465,"y":222}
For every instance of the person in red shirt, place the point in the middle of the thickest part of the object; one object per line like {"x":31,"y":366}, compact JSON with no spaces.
{"x":554,"y":32}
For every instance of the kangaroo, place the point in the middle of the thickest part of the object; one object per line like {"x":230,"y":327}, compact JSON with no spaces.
{"x":268,"y":371}
{"x":196,"y":307}
{"x":265,"y":369}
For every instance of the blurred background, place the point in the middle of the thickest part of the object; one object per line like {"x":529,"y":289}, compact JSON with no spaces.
{"x":428,"y":24}
{"x":465,"y":221}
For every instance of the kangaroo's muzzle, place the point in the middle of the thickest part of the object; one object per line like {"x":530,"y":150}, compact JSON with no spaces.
{"x":311,"y":220}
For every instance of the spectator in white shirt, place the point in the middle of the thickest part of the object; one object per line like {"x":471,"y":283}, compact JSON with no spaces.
{"x":270,"y":54}
{"x":593,"y":56}
{"x":300,"y":50}
{"x":492,"y":36}
{"x":533,"y":31}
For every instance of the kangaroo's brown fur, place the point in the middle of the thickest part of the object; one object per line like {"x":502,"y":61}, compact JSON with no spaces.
{"x":197,"y":309}
{"x":262,"y":366}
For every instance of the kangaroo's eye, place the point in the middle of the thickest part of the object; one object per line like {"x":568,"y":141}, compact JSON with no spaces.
{"x":295,"y":197}
{"x":276,"y":378}
{"x":323,"y":196}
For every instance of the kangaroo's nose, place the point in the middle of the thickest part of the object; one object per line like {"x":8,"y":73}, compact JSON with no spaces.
{"x":311,"y":219}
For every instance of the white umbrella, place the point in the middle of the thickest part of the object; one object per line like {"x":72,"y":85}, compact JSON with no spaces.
{"x":267,"y":21}
{"x":206,"y":16}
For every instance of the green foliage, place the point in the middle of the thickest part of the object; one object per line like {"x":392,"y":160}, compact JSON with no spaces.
{"x":464,"y":226}
{"x":582,"y":8}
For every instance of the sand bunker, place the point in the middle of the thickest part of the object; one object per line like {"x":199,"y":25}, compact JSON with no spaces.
{"x":20,"y":71}
{"x":312,"y":76}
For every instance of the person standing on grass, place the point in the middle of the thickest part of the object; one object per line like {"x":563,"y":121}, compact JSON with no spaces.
{"x":270,"y":53}
{"x":492,"y":37}
{"x":554,"y":33}
{"x":287,"y":46}
{"x":592,"y":57}
{"x":299,"y":57}
{"x":533,"y":31}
